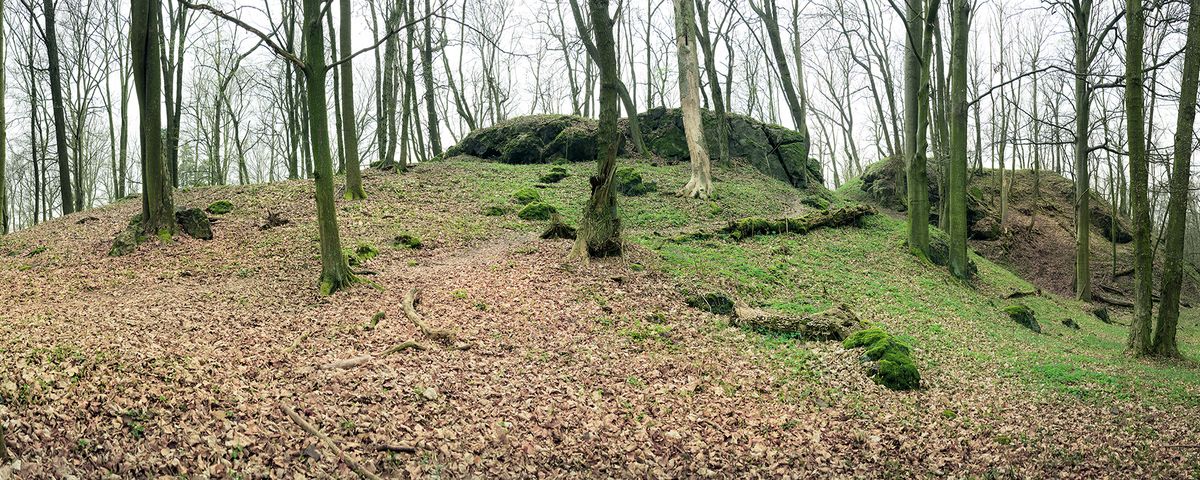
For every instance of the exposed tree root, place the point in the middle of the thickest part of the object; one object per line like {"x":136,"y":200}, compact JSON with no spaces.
{"x":350,"y":461}
{"x":402,"y":347}
{"x":397,"y":448}
{"x":444,"y":337}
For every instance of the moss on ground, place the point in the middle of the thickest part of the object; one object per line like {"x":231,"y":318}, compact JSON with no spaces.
{"x":894,"y":368}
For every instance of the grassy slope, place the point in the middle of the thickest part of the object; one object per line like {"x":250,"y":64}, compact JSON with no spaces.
{"x":965,"y":345}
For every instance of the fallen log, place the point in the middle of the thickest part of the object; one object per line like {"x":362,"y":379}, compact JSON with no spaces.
{"x":1116,"y":302}
{"x":833,"y":217}
{"x":349,"y":362}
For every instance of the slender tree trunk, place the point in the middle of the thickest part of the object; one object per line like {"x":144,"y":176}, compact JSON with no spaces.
{"x":1172,"y":281}
{"x":700,"y":185}
{"x":770,"y":18}
{"x":705,"y":39}
{"x":1139,"y":176}
{"x":354,"y":187}
{"x":4,"y":220}
{"x":431,"y":116}
{"x":335,"y":273}
{"x":600,"y":227}
{"x":60,"y":123}
{"x":158,"y":208}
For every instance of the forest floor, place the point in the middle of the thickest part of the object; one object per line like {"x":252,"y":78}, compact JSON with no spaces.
{"x":181,"y":359}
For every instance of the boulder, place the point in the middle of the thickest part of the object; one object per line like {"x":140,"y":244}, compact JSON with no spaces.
{"x":629,"y":182}
{"x":889,"y":361}
{"x":1024,"y":316}
{"x":195,"y":223}
{"x":536,"y":211}
{"x":124,"y":243}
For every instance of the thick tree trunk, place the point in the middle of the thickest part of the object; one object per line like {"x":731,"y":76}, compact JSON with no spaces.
{"x":1083,"y":192}
{"x":388,"y":124}
{"x":956,"y":178}
{"x":635,"y":128}
{"x":335,"y":273}
{"x":354,"y":187}
{"x":1172,"y":279}
{"x":916,"y":121}
{"x":60,"y":123}
{"x":700,"y":185}
{"x":599,"y":233}
{"x":158,"y":207}
{"x":704,"y":38}
{"x":1139,"y":173}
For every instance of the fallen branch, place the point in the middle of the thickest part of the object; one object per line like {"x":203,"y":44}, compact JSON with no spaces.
{"x":402,"y":347}
{"x":1123,"y":273}
{"x":349,"y":362}
{"x":350,"y":461}
{"x":833,"y":217}
{"x":397,"y":448}
{"x":1116,"y":302}
{"x":444,"y":337}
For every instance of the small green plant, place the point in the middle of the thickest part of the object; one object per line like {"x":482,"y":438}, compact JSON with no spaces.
{"x":220,"y":207}
{"x":459,"y":294}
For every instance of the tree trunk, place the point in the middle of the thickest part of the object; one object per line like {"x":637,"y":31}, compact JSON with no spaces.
{"x":60,"y":123}
{"x":705,"y":39}
{"x":599,"y":233}
{"x":769,"y":16}
{"x":916,"y":121}
{"x":1083,"y":193}
{"x":700,"y":185}
{"x":158,"y":208}
{"x":956,"y":178}
{"x":431,"y":116}
{"x":1172,"y":279}
{"x":4,"y":220}
{"x":335,"y":273}
{"x":635,"y":128}
{"x":1139,"y":177}
{"x":354,"y":187}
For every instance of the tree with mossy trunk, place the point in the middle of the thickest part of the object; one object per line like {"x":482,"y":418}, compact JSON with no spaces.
{"x":158,"y":206}
{"x":599,"y":233}
{"x":956,"y":184}
{"x":918,"y":46}
{"x":1172,"y":278}
{"x":700,"y":185}
{"x":354,"y":187}
{"x":1139,"y":170}
{"x":335,"y":272}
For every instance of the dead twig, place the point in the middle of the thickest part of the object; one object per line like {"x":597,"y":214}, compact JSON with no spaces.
{"x":350,"y":461}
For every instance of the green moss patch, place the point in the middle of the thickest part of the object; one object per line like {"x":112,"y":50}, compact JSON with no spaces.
{"x":555,"y":175}
{"x":629,"y":182}
{"x":526,"y":195}
{"x":220,"y":207}
{"x":536,"y":211}
{"x":407,"y":240}
{"x":894,"y":367}
{"x":361,"y":254}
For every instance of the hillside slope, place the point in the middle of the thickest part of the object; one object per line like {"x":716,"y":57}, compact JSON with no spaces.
{"x":179,"y":360}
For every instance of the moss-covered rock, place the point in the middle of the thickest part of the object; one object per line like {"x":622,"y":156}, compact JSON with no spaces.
{"x":1024,"y":316}
{"x":536,"y":210}
{"x":407,"y":240}
{"x":526,"y":195}
{"x":194,"y":223}
{"x":939,"y":251}
{"x":360,"y":255}
{"x":555,"y":175}
{"x":522,"y":149}
{"x":220,"y":207}
{"x":629,"y":182}
{"x":125,"y":242}
{"x":576,"y":143}
{"x":893,"y":366}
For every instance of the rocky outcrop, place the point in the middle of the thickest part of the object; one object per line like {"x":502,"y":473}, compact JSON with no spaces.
{"x":771,"y":149}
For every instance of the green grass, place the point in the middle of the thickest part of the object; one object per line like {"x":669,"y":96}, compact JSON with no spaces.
{"x":952,"y":325}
